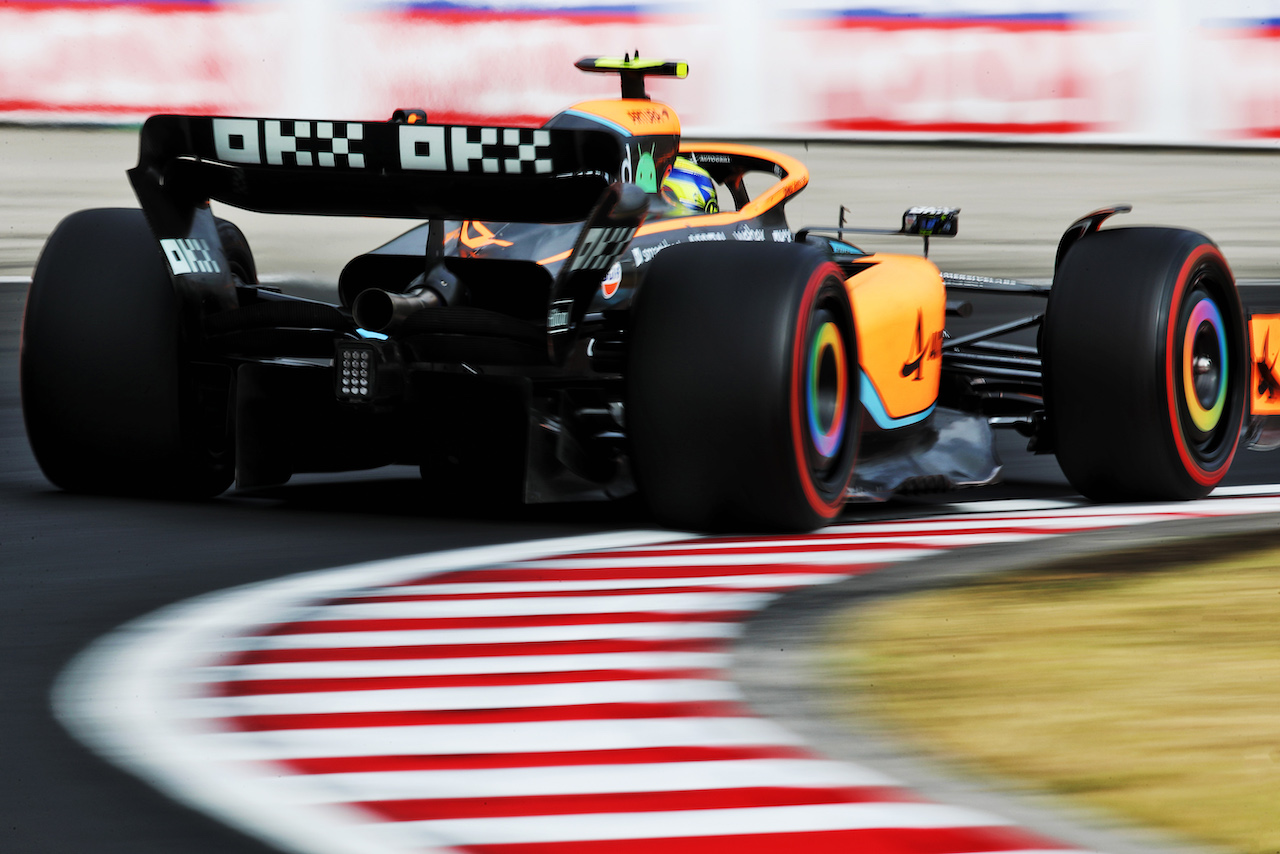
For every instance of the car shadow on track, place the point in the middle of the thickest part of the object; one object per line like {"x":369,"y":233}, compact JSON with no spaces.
{"x":398,"y":491}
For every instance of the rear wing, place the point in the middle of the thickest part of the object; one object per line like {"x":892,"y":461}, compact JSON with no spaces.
{"x":386,"y":169}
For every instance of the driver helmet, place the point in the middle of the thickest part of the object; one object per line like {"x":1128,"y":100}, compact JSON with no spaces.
{"x":689,"y":187}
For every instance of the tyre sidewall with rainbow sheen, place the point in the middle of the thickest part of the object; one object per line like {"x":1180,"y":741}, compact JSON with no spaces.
{"x":742,"y":405}
{"x":1146,"y":365}
{"x":824,"y":403}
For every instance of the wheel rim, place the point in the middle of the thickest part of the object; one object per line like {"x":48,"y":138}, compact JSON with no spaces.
{"x":826,"y":402}
{"x":1204,"y":379}
{"x":822,"y":402}
{"x":827,"y":397}
{"x":1205,"y":366}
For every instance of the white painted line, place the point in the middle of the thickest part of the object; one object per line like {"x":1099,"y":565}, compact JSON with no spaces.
{"x":1116,"y":515}
{"x":1009,"y":505}
{"x":684,"y":823}
{"x":457,"y":739}
{"x":836,"y":557}
{"x":534,"y":634}
{"x":1248,"y":489}
{"x":577,"y":780}
{"x":464,"y":666}
{"x":994,"y":521}
{"x":782,"y":579}
{"x":1241,"y":506}
{"x":467,"y":699}
{"x":537,"y":606}
{"x":824,"y":540}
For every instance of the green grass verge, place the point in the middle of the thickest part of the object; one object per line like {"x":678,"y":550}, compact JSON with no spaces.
{"x":1138,"y":683}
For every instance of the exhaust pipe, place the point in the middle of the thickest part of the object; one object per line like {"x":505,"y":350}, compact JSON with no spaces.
{"x":382,"y":311}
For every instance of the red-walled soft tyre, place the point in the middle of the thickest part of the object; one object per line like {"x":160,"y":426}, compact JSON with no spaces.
{"x":1145,"y":364}
{"x":742,"y":405}
{"x":110,"y":404}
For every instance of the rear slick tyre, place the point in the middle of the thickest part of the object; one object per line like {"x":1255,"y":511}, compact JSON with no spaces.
{"x":742,"y":405}
{"x":235,"y":246}
{"x":110,"y":404}
{"x":1145,"y":365}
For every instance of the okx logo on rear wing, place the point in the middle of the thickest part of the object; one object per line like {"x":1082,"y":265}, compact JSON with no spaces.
{"x":388,"y":169}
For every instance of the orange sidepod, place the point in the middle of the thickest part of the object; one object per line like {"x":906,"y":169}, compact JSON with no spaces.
{"x":899,"y":308}
{"x":1264,"y":343}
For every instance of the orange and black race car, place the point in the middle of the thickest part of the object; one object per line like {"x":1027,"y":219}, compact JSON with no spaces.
{"x":594,"y":307}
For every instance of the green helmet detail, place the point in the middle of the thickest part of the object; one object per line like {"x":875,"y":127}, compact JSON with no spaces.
{"x":647,"y":173}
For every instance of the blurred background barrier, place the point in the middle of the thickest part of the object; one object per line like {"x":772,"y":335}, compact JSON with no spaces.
{"x":1197,"y":72}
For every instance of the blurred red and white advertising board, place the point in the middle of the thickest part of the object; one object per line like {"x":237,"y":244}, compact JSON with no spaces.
{"x":1179,"y":72}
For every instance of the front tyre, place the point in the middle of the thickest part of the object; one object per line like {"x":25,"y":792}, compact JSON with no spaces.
{"x":1146,"y":366}
{"x":110,"y":404}
{"x":742,"y":405}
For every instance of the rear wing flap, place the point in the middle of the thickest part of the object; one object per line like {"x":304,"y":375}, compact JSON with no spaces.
{"x":384,"y":169}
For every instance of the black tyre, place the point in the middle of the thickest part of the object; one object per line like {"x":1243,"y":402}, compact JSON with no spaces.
{"x":110,"y":404}
{"x":239,"y":256}
{"x":1145,"y":365}
{"x":742,"y":405}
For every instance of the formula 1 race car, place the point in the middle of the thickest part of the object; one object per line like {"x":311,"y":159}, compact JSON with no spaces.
{"x":592,"y":308}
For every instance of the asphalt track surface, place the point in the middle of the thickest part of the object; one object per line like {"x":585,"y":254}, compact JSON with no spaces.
{"x":72,"y":568}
